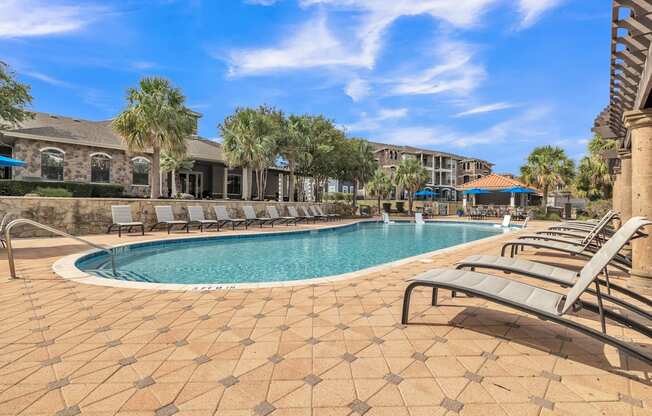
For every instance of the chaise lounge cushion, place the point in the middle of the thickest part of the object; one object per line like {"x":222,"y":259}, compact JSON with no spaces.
{"x":557,"y":274}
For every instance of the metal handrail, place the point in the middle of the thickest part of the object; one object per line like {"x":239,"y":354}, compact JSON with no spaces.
{"x":10,"y":250}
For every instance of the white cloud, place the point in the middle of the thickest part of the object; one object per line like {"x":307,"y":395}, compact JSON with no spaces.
{"x":261,"y":2}
{"x":47,"y":79}
{"x":143,"y":65}
{"x":485,"y":109}
{"x":357,"y":89}
{"x":373,"y":123}
{"x":24,"y":18}
{"x":532,"y":10}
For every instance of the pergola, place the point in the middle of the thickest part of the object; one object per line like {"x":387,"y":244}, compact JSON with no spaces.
{"x":628,"y":118}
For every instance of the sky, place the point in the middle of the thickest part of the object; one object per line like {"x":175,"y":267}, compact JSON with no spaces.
{"x":480,"y":78}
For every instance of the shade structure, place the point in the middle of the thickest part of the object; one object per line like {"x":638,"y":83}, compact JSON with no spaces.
{"x":7,"y":161}
{"x":425,"y":192}
{"x":519,"y":190}
{"x":476,"y":191}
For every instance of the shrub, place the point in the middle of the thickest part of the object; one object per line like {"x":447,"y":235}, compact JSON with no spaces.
{"x":387,"y":207}
{"x":597,"y":209}
{"x":400,"y":206}
{"x":77,"y":189}
{"x":53,"y":192}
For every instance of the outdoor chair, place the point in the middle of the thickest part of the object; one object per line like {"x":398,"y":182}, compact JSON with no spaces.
{"x":3,"y":224}
{"x":273,"y":214}
{"x":321,"y":212}
{"x":308,"y":215}
{"x":293,"y":212}
{"x":196,"y":216}
{"x":546,"y":304}
{"x":316,"y":214}
{"x":122,"y":218}
{"x":165,"y":218}
{"x":224,"y":218}
{"x":252,"y":218}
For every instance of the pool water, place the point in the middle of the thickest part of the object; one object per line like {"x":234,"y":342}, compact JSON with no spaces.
{"x":281,"y":256}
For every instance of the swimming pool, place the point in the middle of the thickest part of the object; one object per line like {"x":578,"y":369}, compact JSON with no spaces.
{"x":279,"y":257}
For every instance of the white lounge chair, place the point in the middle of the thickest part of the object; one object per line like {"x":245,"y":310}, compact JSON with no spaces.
{"x":293,"y":212}
{"x":224,"y":218}
{"x":196,"y":216}
{"x":252,"y":218}
{"x":545,"y":304}
{"x":122,"y":218}
{"x":273,"y":214}
{"x":307,"y":214}
{"x":321,"y":212}
{"x":165,"y":217}
{"x":316,"y":214}
{"x":3,"y":224}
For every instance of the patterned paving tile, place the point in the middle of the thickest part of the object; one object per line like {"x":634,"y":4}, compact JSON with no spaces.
{"x":359,"y":407}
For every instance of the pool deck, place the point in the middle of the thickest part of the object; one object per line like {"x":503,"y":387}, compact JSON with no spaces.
{"x":328,"y":349}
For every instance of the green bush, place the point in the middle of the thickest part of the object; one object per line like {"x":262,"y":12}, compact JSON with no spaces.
{"x":597,"y":209}
{"x":77,"y":189}
{"x":53,"y":192}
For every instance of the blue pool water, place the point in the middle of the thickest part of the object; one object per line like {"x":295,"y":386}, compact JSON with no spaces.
{"x":281,"y":257}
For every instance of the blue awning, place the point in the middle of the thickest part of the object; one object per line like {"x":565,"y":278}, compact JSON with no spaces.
{"x":519,"y":190}
{"x":476,"y":191}
{"x":7,"y":161}
{"x":425,"y":192}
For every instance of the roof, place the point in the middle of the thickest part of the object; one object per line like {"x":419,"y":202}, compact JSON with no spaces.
{"x":411,"y":149}
{"x":60,"y":129}
{"x":494,"y":182}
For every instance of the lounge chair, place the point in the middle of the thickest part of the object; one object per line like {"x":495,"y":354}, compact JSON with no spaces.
{"x":122,"y":218}
{"x":562,"y":276}
{"x":321,"y":212}
{"x":224,"y":218}
{"x":3,"y":224}
{"x":293,"y":212}
{"x":418,"y":218}
{"x":308,"y":214}
{"x":543,"y":303}
{"x":273,"y":214}
{"x":316,"y":214}
{"x":252,"y":218}
{"x":196,"y":217}
{"x":165,"y":217}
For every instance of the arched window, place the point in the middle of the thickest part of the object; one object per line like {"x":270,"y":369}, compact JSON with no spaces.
{"x":140,"y":168}
{"x":52,"y":162}
{"x":100,"y":168}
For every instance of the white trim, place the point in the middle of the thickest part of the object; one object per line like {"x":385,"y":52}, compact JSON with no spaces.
{"x":141,"y":158}
{"x":100,"y":154}
{"x":52,"y":148}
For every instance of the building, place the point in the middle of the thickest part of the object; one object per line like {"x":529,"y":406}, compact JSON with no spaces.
{"x":628,"y":119}
{"x":495,"y":185}
{"x":446,"y":170}
{"x":64,"y":149}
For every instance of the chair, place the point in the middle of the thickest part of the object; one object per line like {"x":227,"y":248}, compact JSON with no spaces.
{"x":3,"y":224}
{"x":224,"y":218}
{"x":121,"y":217}
{"x":316,"y":214}
{"x":293,"y":212}
{"x":321,"y":212}
{"x":252,"y":218}
{"x":543,"y":303}
{"x":196,"y":216}
{"x":308,"y":215}
{"x":273,"y":214}
{"x":165,"y":217}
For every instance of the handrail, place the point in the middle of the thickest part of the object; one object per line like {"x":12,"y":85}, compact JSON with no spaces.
{"x":10,"y":250}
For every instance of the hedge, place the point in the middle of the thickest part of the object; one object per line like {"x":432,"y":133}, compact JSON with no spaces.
{"x":78,"y":189}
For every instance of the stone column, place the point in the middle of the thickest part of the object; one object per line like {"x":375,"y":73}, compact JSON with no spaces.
{"x":625,"y":192}
{"x":639,"y":124}
{"x":225,"y":183}
{"x":616,"y":197}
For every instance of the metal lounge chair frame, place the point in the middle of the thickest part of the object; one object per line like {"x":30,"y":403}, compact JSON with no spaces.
{"x":165,"y":217}
{"x":223,"y":218}
{"x":321,"y":212}
{"x":122,"y":218}
{"x":252,"y":218}
{"x":544,"y":304}
{"x":196,"y":217}
{"x":293,"y":212}
{"x":273,"y":214}
{"x":3,"y":224}
{"x":307,"y":214}
{"x":316,"y":214}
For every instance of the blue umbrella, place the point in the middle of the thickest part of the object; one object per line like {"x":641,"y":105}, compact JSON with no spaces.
{"x":7,"y":161}
{"x":519,"y":190}
{"x":476,"y":191}
{"x":425,"y":192}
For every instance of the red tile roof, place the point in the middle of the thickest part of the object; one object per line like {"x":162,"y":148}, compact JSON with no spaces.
{"x":493,"y":181}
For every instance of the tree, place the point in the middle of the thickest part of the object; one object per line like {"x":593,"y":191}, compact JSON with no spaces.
{"x":593,"y":180}
{"x":293,"y":146}
{"x":547,"y":167}
{"x":380,"y":185}
{"x":175,"y":163}
{"x":14,"y":97}
{"x":411,"y":176}
{"x":155,"y":118}
{"x":361,"y":163}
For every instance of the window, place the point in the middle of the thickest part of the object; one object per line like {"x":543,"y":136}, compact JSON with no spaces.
{"x":233,"y":184}
{"x":140,"y":167}
{"x":52,"y":161}
{"x":5,"y":172}
{"x":100,"y":168}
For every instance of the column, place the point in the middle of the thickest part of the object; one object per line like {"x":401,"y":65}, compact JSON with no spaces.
{"x":280,"y":187}
{"x":616,"y":198}
{"x":512,"y":199}
{"x":245,"y":184}
{"x":225,"y":183}
{"x":625,"y":193}
{"x":639,"y":124}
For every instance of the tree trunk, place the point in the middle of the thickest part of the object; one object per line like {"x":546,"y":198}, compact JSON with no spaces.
{"x":292,"y":180}
{"x":155,"y":174}
{"x":173,"y":185}
{"x":263,"y":177}
{"x":410,"y":203}
{"x":379,"y":204}
{"x":544,"y":202}
{"x":355,"y":192}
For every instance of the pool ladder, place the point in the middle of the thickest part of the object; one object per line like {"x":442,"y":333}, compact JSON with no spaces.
{"x":10,"y":250}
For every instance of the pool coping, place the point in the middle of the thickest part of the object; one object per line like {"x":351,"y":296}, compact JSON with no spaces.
{"x":66,"y":267}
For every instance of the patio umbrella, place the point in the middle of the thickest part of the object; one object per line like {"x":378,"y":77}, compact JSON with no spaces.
{"x":476,"y":191}
{"x":519,"y":190}
{"x":425,"y":192}
{"x":7,"y":161}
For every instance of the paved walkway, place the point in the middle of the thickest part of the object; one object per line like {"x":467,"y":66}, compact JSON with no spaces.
{"x":322,"y":350}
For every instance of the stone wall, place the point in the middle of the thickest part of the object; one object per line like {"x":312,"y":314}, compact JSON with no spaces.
{"x":79,"y":216}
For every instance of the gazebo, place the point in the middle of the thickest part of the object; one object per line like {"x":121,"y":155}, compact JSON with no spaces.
{"x":497,"y":190}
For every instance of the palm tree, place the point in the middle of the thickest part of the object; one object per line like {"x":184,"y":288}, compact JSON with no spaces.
{"x":547,"y":167}
{"x":363,"y":164}
{"x":593,"y":179}
{"x":175,"y":163}
{"x":411,"y":176}
{"x":380,"y":185}
{"x":155,"y":119}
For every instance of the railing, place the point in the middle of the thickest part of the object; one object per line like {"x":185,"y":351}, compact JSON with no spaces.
{"x":10,"y":250}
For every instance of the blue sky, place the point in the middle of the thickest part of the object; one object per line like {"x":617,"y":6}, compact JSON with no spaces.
{"x":483,"y":78}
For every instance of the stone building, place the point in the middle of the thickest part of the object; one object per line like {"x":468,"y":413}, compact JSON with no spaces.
{"x":64,"y":149}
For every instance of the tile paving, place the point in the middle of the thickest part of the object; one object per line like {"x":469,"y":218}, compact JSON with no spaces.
{"x":334,"y":348}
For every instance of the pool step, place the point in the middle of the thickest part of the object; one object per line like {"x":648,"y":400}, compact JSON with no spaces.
{"x":122,"y":275}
